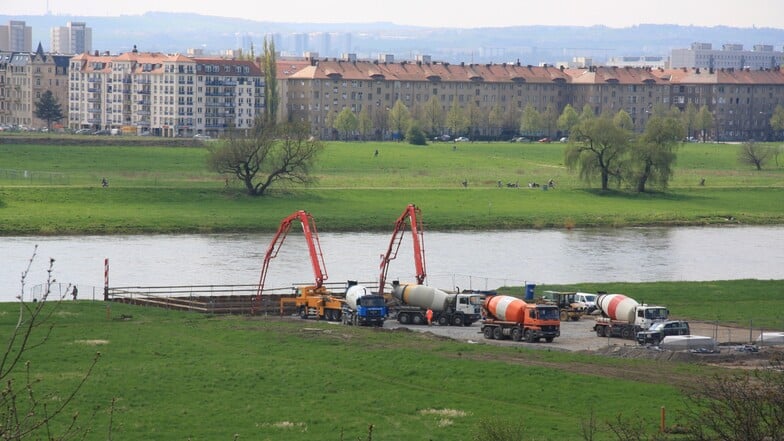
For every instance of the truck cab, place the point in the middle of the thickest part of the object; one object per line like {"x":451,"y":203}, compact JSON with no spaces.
{"x":647,"y":316}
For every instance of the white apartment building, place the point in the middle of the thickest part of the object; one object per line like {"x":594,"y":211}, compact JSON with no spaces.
{"x":731,"y":56}
{"x":16,"y":36}
{"x":73,"y":38}
{"x":163,"y":95}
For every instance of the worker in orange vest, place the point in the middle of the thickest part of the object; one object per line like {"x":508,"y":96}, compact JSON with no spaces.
{"x":429,"y":316}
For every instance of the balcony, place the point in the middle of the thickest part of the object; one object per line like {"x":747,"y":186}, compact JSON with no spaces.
{"x":94,"y":110}
{"x":142,"y":112}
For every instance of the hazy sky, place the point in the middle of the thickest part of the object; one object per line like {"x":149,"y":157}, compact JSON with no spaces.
{"x":440,"y":13}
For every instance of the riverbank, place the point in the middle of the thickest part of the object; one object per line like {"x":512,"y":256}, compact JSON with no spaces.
{"x":55,"y":190}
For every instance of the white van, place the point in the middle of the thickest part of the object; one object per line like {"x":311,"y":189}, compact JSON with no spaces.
{"x":587,"y":298}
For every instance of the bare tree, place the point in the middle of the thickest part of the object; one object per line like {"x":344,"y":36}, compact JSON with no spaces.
{"x":754,"y":154}
{"x":271,"y":155}
{"x":747,"y":405}
{"x":24,"y":413}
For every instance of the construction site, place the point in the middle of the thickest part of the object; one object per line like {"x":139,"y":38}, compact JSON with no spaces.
{"x":601,"y":323}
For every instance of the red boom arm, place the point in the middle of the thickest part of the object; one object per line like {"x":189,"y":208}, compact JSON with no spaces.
{"x":412,"y":213}
{"x":314,"y":247}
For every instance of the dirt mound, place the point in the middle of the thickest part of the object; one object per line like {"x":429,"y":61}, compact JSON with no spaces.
{"x":744,"y":356}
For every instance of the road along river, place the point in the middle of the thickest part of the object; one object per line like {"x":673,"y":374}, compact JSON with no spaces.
{"x":464,"y":259}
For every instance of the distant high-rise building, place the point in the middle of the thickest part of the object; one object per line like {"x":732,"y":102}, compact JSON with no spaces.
{"x":731,"y":56}
{"x":73,"y":38}
{"x":16,"y":37}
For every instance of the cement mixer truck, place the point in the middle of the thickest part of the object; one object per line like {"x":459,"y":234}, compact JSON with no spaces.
{"x":413,"y":300}
{"x":510,"y":317}
{"x":623,"y":317}
{"x":362,"y":307}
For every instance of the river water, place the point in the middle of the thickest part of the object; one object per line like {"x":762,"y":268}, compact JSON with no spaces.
{"x":477,"y":260}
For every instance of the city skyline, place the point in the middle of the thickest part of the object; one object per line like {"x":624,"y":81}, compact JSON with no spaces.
{"x":439,"y":13}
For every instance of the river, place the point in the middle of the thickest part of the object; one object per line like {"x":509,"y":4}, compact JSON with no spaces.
{"x":477,"y":260}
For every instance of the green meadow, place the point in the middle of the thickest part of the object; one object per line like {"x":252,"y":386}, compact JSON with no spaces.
{"x":56,"y":189}
{"x":175,"y":375}
{"x":178,"y":375}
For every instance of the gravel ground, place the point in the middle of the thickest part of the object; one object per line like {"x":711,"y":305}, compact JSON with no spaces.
{"x":576,"y":336}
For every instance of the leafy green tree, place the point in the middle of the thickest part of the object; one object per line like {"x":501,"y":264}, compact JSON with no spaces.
{"x":456,"y":119}
{"x":704,"y":122}
{"x":599,"y":151}
{"x":777,"y":119}
{"x":399,"y":118}
{"x":568,"y":119}
{"x":495,"y":120}
{"x":623,"y":120}
{"x":549,"y":119}
{"x":476,"y":118}
{"x":587,"y":112}
{"x":270,"y":156}
{"x":271,"y":98}
{"x":364,"y":123}
{"x":48,"y":109}
{"x":346,"y":123}
{"x":415,"y":135}
{"x":433,"y":115}
{"x":380,"y":117}
{"x":653,"y":155}
{"x":755,"y":154}
{"x":690,"y":118}
{"x":531,"y":121}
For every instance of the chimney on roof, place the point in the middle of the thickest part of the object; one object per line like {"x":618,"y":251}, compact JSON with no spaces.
{"x":135,"y":51}
{"x":698,"y":71}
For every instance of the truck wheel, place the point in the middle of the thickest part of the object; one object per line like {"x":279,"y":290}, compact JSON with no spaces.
{"x":443,"y":320}
{"x":548,"y":339}
{"x":517,"y":334}
{"x":488,"y":331}
{"x":303,"y":312}
{"x":600,"y":331}
{"x":576,"y":318}
{"x":564,"y":316}
{"x":404,"y":318}
{"x":498,"y":333}
{"x":626,"y":333}
{"x":529,"y":336}
{"x":458,"y":320}
{"x":417,"y":319}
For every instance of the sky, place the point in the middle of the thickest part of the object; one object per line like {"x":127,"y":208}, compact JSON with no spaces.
{"x":439,"y":13}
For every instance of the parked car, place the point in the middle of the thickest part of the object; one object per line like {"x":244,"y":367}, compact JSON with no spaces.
{"x":658,"y":331}
{"x":200,"y":136}
{"x":545,"y":140}
{"x":461,"y":139}
{"x":83,"y":132}
{"x":564,"y":139}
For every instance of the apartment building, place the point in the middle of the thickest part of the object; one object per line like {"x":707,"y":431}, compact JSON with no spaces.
{"x":73,"y":38}
{"x":24,"y":77}
{"x":315,"y":91}
{"x":163,"y":95}
{"x":16,"y":36}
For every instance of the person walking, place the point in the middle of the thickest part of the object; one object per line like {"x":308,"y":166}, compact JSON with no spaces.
{"x":429,"y":316}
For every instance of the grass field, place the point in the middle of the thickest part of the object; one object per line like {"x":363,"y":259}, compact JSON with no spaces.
{"x":55,"y":189}
{"x":178,"y":375}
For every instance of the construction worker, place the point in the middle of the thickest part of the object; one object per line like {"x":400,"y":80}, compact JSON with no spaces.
{"x":429,"y":315}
